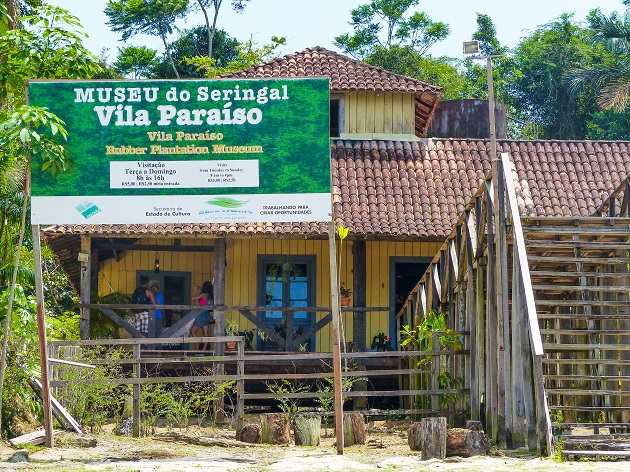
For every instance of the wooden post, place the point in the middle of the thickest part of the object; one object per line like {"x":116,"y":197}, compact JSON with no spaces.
{"x":433,"y":438}
{"x":492,"y":380}
{"x":480,"y":354}
{"x":240,"y":385}
{"x":519,"y":328}
{"x":41,"y":332}
{"x":86,"y":287}
{"x":359,"y":286}
{"x":135,"y":412}
{"x":359,"y":322}
{"x":219,"y":317}
{"x":503,"y":313}
{"x":471,"y":318}
{"x":336,"y":347}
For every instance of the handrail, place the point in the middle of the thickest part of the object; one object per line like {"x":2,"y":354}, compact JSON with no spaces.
{"x":532,"y":316}
{"x":623,"y":188}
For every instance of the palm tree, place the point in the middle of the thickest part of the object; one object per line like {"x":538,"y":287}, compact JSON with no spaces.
{"x":613,"y":82}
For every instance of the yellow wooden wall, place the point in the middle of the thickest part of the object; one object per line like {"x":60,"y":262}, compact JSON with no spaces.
{"x":379,"y":112}
{"x":241,"y":273}
{"x":121,"y":276}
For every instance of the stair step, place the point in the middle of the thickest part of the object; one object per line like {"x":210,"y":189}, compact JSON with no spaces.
{"x":596,"y":454}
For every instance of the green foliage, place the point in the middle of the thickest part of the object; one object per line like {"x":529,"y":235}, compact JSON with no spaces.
{"x":421,"y":338}
{"x":540,"y":92}
{"x":231,"y":328}
{"x":291,"y":406}
{"x":22,"y":361}
{"x":31,"y":130}
{"x":101,"y":326}
{"x":380,"y":342}
{"x":152,"y":17}
{"x":447,"y":382}
{"x":49,"y":47}
{"x":249,"y":336}
{"x":136,"y":62}
{"x":369,"y":20}
{"x":191,"y":44}
{"x":90,"y":395}
{"x":248,"y":54}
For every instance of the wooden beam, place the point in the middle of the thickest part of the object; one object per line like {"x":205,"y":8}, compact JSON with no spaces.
{"x":271,"y":334}
{"x":359,"y":322}
{"x":153,"y":247}
{"x":121,"y":322}
{"x":85,"y":258}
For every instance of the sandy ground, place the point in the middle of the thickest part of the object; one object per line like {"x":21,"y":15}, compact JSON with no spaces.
{"x":386,"y":450}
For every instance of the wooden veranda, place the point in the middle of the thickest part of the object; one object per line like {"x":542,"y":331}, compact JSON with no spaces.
{"x":546,"y":302}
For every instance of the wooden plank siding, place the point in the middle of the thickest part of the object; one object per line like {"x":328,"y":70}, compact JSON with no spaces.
{"x":379,"y":112}
{"x":241,"y":279}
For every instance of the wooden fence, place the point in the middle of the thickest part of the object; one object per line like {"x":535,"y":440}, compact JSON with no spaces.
{"x":419,"y":391}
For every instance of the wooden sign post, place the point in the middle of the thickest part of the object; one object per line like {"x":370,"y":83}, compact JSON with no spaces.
{"x":41,"y":331}
{"x":336,"y":345}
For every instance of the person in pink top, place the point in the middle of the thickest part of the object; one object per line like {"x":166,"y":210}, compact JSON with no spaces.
{"x":204,"y":319}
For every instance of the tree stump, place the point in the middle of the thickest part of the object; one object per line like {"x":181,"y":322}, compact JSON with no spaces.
{"x":353,"y":429}
{"x":276,"y":428}
{"x":429,"y":437}
{"x":307,"y":430}
{"x":466,"y":443}
{"x":413,"y":437}
{"x":474,"y":425}
{"x":251,"y":433}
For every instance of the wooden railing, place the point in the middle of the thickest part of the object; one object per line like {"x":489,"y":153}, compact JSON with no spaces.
{"x":617,"y":204}
{"x":469,"y":280}
{"x":415,"y":398}
{"x":288,"y":343}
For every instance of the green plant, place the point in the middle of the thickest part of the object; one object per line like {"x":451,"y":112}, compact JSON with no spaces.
{"x":288,"y":405}
{"x":380,"y":342}
{"x":431,"y":328}
{"x":90,"y":395}
{"x":231,"y":328}
{"x":344,"y":292}
{"x":249,"y":338}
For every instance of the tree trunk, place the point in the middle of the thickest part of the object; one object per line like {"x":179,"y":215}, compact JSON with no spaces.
{"x":429,"y":436}
{"x":252,"y":433}
{"x":353,"y":429}
{"x":466,"y":443}
{"x":276,"y":428}
{"x":307,"y":430}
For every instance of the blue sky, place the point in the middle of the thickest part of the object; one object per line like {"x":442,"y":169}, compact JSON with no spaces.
{"x":308,"y":23}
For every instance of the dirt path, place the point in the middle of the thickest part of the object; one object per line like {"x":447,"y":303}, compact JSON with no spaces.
{"x":385,"y":451}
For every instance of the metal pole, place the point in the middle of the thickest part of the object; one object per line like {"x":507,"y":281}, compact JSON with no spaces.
{"x":336,"y":347}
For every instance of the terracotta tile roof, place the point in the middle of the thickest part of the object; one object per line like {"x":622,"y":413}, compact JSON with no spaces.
{"x":348,"y":75}
{"x":413,"y":191}
{"x":417,"y":190}
{"x":345,"y":73}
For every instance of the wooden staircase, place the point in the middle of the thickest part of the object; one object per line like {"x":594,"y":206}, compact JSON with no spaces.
{"x":580,"y":275}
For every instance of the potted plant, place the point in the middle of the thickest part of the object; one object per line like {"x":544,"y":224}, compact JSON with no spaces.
{"x":344,"y":294}
{"x":380,"y":342}
{"x":231,"y":329}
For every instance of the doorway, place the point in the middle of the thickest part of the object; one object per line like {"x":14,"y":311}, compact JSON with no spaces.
{"x":175,"y":288}
{"x":405,"y":273}
{"x":287,"y":281}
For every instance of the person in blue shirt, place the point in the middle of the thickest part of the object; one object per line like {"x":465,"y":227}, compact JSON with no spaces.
{"x":159,"y":300}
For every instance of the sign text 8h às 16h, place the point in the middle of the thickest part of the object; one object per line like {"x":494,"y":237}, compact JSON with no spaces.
{"x":126,"y":115}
